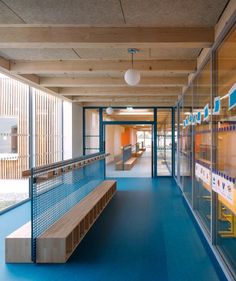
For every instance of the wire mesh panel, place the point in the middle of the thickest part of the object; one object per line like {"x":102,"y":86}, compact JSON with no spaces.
{"x":55,"y":194}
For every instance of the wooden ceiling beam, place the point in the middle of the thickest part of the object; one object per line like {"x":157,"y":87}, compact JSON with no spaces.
{"x":125,"y":99}
{"x":101,"y":66}
{"x":131,"y":103}
{"x":122,"y":91}
{"x":111,"y":81}
{"x":76,"y":37}
{"x":4,"y":64}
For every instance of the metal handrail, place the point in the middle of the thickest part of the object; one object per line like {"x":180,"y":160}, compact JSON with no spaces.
{"x":61,"y":165}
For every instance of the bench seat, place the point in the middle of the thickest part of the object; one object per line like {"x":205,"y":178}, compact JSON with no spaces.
{"x":18,"y":245}
{"x":57,"y":243}
{"x":119,"y":165}
{"x":138,"y":154}
{"x":130,"y":163}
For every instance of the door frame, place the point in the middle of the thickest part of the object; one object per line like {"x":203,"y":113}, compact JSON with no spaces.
{"x":109,"y":123}
{"x":102,"y":123}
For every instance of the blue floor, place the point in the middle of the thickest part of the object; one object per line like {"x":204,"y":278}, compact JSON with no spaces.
{"x":145,"y":233}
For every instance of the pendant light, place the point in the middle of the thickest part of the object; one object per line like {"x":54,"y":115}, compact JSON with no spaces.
{"x":109,"y":110}
{"x":132,"y":76}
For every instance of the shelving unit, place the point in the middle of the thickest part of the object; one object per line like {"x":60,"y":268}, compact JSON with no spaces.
{"x":58,"y":243}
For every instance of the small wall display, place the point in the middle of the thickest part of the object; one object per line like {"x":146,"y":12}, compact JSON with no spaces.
{"x":206,"y":112}
{"x":232,"y":97}
{"x":196,"y":118}
{"x":223,"y":186}
{"x":203,"y":173}
{"x":217,"y":105}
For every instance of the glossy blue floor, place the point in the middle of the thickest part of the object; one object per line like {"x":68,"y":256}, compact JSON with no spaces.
{"x":145,"y":233}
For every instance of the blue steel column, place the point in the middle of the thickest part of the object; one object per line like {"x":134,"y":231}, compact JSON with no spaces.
{"x":178,"y":145}
{"x":31,"y":163}
{"x":173,"y":141}
{"x":101,"y":136}
{"x":62,"y":130}
{"x":214,"y":196}
{"x":155,"y":143}
{"x":84,"y":130}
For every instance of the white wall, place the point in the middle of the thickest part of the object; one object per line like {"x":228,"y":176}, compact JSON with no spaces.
{"x":113,"y":141}
{"x":72,"y":130}
{"x":67,"y":130}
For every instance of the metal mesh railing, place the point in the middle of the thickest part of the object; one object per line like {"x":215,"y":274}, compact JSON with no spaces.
{"x":57,"y":188}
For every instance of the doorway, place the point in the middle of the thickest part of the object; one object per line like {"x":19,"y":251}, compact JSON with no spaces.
{"x":130,"y":150}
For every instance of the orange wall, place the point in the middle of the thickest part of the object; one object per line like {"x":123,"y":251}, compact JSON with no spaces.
{"x":128,"y":137}
{"x":125,"y":137}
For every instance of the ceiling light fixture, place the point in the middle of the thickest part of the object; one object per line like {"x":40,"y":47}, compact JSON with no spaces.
{"x":132,"y":76}
{"x":129,"y":108}
{"x":109,"y":110}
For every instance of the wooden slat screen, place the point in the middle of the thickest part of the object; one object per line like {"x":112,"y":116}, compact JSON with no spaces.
{"x":48,"y":128}
{"x":14,"y":102}
{"x":47,"y":124}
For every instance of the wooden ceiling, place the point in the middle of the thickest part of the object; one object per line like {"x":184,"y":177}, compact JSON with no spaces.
{"x":79,"y":50}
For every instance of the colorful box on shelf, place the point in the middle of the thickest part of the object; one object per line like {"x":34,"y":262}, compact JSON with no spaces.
{"x":223,"y":185}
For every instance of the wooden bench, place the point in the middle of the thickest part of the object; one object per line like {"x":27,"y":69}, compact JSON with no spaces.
{"x":138,"y":154}
{"x":119,"y":165}
{"x":58,"y":243}
{"x":130,"y":163}
{"x":18,"y":245}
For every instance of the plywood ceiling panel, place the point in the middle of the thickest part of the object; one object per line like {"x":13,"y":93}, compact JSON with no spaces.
{"x":103,"y":12}
{"x":7,"y":16}
{"x":173,"y":12}
{"x":38,"y":54}
{"x":174,"y":53}
{"x":90,"y":12}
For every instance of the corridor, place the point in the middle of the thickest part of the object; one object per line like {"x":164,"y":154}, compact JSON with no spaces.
{"x":145,"y":233}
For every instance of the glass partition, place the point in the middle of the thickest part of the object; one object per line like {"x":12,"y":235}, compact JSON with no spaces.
{"x":186,"y":151}
{"x":14,"y":141}
{"x":164,"y":142}
{"x":176,"y":144}
{"x":224,"y":164}
{"x":129,"y":114}
{"x":207,"y":151}
{"x":202,"y":146}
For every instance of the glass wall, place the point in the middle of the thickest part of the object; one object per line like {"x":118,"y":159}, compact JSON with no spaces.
{"x":224,"y":164}
{"x":176,"y":145}
{"x":129,"y":114}
{"x":164,"y":142}
{"x":20,"y":104}
{"x":186,"y":150}
{"x":207,"y":135}
{"x":202,"y":146}
{"x":14,"y":141}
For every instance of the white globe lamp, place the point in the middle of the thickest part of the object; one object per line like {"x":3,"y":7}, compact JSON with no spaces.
{"x":109,"y":110}
{"x":132,"y":77}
